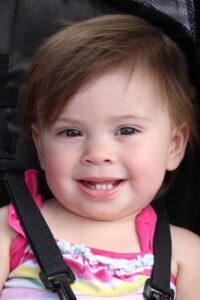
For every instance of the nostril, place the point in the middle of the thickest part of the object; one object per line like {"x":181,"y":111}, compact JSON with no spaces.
{"x":107,"y":160}
{"x":88,"y":161}
{"x":97,"y":159}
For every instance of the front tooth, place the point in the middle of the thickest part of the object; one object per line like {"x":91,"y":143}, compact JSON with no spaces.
{"x":98,"y":186}
{"x":104,"y":186}
{"x":109,"y":186}
{"x":101,"y":186}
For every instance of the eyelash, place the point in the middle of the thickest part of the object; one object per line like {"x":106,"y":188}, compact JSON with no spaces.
{"x":74,"y":132}
{"x":70,"y":132}
{"x":127,"y":130}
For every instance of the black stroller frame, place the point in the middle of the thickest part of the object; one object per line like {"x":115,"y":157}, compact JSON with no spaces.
{"x":55,"y":274}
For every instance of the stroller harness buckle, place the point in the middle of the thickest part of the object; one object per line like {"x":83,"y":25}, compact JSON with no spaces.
{"x":60,"y":283}
{"x":151,"y":293}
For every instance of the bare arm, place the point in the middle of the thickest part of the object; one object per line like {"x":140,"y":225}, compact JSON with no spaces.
{"x":186,"y":251}
{"x":6,"y":236}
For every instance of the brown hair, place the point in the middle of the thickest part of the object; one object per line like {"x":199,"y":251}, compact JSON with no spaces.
{"x":85,"y":50}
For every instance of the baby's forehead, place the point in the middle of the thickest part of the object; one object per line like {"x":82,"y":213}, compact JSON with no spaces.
{"x":124,"y":80}
{"x":117,"y":90}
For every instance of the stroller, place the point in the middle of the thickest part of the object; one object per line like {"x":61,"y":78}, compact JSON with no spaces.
{"x":23,"y":27}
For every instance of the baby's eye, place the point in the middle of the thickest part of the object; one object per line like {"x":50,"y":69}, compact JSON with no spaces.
{"x":127,"y":130}
{"x":70,"y":132}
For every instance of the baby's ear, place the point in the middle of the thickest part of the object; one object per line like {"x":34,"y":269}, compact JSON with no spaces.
{"x":37,"y":141}
{"x":179,"y":140}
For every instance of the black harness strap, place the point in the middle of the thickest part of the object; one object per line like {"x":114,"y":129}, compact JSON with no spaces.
{"x":158,"y":286}
{"x":55,"y":274}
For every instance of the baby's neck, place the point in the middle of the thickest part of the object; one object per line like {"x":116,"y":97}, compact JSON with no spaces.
{"x":113,"y":235}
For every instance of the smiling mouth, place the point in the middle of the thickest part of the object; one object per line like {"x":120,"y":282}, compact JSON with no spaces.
{"x":107,"y":185}
{"x":101,"y":189}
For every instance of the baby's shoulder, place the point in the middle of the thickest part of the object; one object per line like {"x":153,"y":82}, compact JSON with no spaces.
{"x":3,"y":219}
{"x":184,"y":240}
{"x":6,"y":237}
{"x":186,"y":253}
{"x":6,"y":232}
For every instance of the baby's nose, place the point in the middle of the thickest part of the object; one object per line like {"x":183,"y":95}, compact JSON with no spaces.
{"x":99,"y":153}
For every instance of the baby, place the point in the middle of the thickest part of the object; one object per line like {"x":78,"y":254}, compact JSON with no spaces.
{"x":109,"y":107}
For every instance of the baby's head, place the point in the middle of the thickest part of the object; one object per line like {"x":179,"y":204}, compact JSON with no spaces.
{"x":75,"y":57}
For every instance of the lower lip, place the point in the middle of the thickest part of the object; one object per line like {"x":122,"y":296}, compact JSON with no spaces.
{"x":101,"y":194}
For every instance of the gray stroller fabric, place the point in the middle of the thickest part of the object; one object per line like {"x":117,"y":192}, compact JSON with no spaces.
{"x":23,"y":27}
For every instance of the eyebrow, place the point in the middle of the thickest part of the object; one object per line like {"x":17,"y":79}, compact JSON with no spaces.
{"x":132,"y":117}
{"x":112,"y":119}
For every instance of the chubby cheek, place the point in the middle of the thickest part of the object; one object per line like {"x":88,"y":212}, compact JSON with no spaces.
{"x":58,"y":166}
{"x":58,"y":177}
{"x":57,"y":158}
{"x":147,"y":170}
{"x":57,"y":169}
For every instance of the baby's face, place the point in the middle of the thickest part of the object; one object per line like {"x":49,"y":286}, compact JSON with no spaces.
{"x":106,"y":155}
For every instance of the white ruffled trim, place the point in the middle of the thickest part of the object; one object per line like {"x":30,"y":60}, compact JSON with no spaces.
{"x":126,"y":265}
{"x":119,"y":265}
